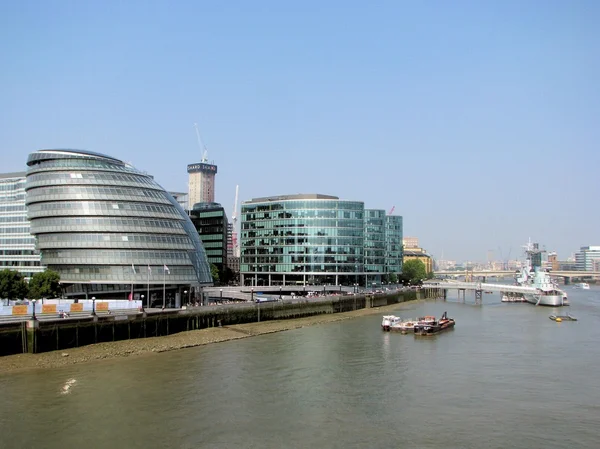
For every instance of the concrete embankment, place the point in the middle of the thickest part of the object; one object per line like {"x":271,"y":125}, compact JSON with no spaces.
{"x":176,"y":329}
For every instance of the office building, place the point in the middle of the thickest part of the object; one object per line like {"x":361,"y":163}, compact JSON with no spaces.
{"x":586,"y":256}
{"x":109,"y":229}
{"x":17,"y":245}
{"x":374,"y":245}
{"x":210,"y":220}
{"x":309,"y":239}
{"x":201,"y":183}
{"x":393,"y":244}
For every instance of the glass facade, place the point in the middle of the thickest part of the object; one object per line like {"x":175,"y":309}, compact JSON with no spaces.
{"x":104,"y":225}
{"x":302,"y":239}
{"x":393,"y":244}
{"x":17,"y":245}
{"x":375,"y":245}
{"x":210,"y":221}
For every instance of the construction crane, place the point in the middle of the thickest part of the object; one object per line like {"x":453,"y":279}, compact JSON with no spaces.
{"x":201,"y":145}
{"x":392,"y":210}
{"x":234,"y":218}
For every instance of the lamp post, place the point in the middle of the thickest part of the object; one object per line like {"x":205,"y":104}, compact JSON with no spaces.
{"x":142,"y":308}
{"x":252,"y":294}
{"x":33,"y":310}
{"x":221,"y":294}
{"x":280,"y":297}
{"x":184,"y":294}
{"x":93,"y":306}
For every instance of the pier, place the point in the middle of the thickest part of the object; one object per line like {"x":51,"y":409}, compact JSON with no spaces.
{"x":477,"y":287}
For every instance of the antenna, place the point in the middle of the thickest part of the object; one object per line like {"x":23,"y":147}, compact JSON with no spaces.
{"x":201,"y":145}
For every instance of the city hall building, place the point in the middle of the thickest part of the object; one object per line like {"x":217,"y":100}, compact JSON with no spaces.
{"x":311,"y":239}
{"x":110,"y":230}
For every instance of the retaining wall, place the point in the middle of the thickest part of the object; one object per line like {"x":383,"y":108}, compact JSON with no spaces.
{"x":42,"y":336}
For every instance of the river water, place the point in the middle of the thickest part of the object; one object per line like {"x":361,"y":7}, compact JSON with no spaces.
{"x":505,"y":377}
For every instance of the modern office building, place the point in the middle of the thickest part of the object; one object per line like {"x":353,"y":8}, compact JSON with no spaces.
{"x":210,"y":220}
{"x":201,"y":183}
{"x":586,"y":256}
{"x":393,"y":244}
{"x":309,"y":239}
{"x":110,"y":230}
{"x":374,"y":245}
{"x":17,"y":245}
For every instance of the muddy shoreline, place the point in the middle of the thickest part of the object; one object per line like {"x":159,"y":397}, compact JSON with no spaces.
{"x":148,"y":346}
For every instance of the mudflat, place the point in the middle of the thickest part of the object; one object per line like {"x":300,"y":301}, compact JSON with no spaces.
{"x":141,"y":346}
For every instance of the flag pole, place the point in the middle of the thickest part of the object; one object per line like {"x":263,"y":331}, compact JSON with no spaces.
{"x":164,"y":284}
{"x":148,"y":292}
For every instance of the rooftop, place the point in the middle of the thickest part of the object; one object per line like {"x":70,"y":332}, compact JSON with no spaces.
{"x":298,"y":196}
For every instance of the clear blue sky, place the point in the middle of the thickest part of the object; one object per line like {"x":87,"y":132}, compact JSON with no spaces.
{"x":478,"y":120}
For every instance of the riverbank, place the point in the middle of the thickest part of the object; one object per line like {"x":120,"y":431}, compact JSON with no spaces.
{"x":154,"y":345}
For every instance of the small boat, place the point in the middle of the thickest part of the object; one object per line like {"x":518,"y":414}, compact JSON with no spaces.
{"x":512,"y":298}
{"x":404,"y":327}
{"x":429,"y":325}
{"x":583,"y":286}
{"x":388,"y":321}
{"x":559,"y":318}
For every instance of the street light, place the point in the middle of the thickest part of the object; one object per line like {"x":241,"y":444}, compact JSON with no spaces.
{"x":252,"y":294}
{"x":142,"y":308}
{"x":280,"y":293}
{"x":221,"y":294}
{"x":184,"y":294}
{"x":93,"y":306}
{"x":33,"y":313}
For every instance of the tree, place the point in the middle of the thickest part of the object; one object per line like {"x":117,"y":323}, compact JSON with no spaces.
{"x":12,"y":284}
{"x":214,"y":272}
{"x":413,"y":271}
{"x":44,"y":285}
{"x":392,"y":278}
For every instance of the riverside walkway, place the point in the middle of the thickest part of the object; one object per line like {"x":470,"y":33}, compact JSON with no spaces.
{"x":477,"y":287}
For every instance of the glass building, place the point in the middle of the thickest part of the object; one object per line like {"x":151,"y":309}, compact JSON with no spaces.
{"x":393,"y":244}
{"x":374,"y":245}
{"x":110,"y":230}
{"x":302,"y":240}
{"x":211,"y":223}
{"x":17,"y":245}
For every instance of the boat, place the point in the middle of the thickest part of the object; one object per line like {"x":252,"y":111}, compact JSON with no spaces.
{"x":429,"y":325}
{"x":583,"y":285}
{"x":546,"y":291}
{"x":404,"y":327}
{"x":388,"y":321}
{"x":559,"y":318}
{"x":512,"y":297}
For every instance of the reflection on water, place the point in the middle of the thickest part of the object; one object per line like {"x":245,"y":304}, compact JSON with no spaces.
{"x":507,"y":376}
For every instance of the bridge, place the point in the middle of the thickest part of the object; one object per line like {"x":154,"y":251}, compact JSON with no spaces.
{"x":568,"y":275}
{"x":478,"y":288}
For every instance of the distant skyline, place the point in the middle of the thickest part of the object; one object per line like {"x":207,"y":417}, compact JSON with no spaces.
{"x":478,"y":121}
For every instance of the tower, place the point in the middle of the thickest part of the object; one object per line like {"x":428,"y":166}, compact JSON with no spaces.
{"x":201,"y":183}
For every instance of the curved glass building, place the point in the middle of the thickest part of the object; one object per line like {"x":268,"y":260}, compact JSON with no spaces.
{"x":302,"y":239}
{"x":110,"y":229}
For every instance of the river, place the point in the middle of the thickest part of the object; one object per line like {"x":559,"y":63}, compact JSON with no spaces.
{"x":506,"y":376}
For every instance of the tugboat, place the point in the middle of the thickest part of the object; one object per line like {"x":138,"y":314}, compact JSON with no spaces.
{"x":429,"y":325}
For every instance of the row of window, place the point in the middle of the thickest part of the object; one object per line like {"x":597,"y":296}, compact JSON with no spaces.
{"x":290,"y":268}
{"x":103,"y":178}
{"x":94,"y":238}
{"x":299,"y":250}
{"x":303,"y":223}
{"x":102,"y":222}
{"x":97,"y":192}
{"x":13,"y":219}
{"x":303,"y":232}
{"x":305,"y":213}
{"x":79,"y":164}
{"x":303,"y":204}
{"x":99,"y":208}
{"x":13,"y":207}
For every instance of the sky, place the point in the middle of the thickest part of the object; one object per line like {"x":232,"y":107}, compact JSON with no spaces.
{"x":477,"y":120}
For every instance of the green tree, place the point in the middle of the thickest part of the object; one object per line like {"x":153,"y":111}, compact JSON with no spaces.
{"x":413,"y":271}
{"x":392,"y":278}
{"x":44,"y":285}
{"x":12,"y":284}
{"x":214,"y":272}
